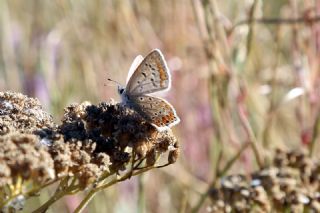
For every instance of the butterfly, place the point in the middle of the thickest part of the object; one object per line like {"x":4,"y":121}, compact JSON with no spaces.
{"x":149,"y":75}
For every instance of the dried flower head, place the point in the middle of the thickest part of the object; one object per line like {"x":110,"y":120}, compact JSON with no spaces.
{"x":92,"y":143}
{"x":292,"y":182}
{"x":19,"y":113}
{"x":23,"y":157}
{"x":109,"y":136}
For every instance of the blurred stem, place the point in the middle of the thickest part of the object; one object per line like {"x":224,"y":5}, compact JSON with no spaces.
{"x":244,"y":119}
{"x":62,"y":190}
{"x":315,"y":134}
{"x":195,"y":9}
{"x":92,"y":193}
{"x":267,"y":127}
{"x":230,"y":163}
{"x":250,"y":37}
{"x":86,"y":200}
{"x":220,"y":157}
{"x":214,"y":37}
{"x":206,"y":15}
{"x":37,"y":189}
{"x":251,"y":138}
{"x":277,"y":21}
{"x":184,"y":203}
{"x":220,"y":31}
{"x":274,"y":105}
{"x":52,"y":200}
{"x":141,"y":195}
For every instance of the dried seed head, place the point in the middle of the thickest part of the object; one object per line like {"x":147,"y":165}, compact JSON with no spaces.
{"x":151,"y":158}
{"x":173,"y":156}
{"x":292,"y":181}
{"x":113,"y":129}
{"x":23,"y":156}
{"x":91,"y":141}
{"x":19,"y":113}
{"x":88,"y":173}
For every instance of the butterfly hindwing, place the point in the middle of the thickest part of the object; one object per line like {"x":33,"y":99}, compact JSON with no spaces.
{"x":155,"y":110}
{"x":152,"y":75}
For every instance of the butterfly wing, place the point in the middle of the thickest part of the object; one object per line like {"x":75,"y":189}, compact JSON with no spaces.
{"x":136,"y":62}
{"x":157,"y":111}
{"x":152,"y":75}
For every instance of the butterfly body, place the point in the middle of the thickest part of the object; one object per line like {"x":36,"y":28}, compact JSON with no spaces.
{"x":150,"y":75}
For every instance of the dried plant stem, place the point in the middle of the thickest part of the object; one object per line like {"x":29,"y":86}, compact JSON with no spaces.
{"x":213,"y":36}
{"x":244,"y":120}
{"x":229,"y":164}
{"x":92,"y":193}
{"x":52,"y":200}
{"x":27,"y":194}
{"x":251,"y":33}
{"x":35,"y":190}
{"x":184,"y":203}
{"x":315,"y":134}
{"x":86,"y":200}
{"x":141,"y":195}
{"x":301,"y":20}
{"x":219,"y":160}
{"x":62,"y":190}
{"x":251,"y":138}
{"x":274,"y":104}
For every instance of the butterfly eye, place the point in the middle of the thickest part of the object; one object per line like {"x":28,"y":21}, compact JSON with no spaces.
{"x":121,"y":91}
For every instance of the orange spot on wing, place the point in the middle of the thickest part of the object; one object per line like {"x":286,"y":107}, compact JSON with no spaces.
{"x":162,"y":74}
{"x":157,"y":122}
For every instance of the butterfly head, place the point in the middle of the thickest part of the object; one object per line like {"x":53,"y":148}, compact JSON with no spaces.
{"x":122,"y":93}
{"x":121,"y":89}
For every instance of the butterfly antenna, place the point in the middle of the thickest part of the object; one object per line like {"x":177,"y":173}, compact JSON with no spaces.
{"x":116,"y":82}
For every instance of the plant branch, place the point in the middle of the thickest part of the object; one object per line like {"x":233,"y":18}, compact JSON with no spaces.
{"x":61,"y":191}
{"x":91,"y":194}
{"x":276,"y":21}
{"x":315,"y":133}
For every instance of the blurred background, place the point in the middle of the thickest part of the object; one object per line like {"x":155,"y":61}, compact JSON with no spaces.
{"x":243,"y":71}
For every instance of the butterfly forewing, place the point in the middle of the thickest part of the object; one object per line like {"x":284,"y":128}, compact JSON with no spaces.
{"x":155,"y":110}
{"x":152,"y":75}
{"x":136,"y":62}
